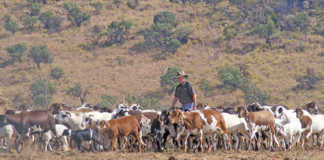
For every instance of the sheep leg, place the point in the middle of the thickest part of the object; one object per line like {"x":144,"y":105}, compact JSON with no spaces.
{"x":186,"y":141}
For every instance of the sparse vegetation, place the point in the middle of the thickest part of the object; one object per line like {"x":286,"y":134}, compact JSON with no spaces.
{"x":308,"y":81}
{"x":276,"y":40}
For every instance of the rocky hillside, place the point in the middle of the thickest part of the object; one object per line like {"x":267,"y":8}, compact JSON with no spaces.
{"x":113,"y":51}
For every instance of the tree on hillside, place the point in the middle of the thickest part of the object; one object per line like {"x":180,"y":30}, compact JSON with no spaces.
{"x":29,"y":22}
{"x":163,"y":35}
{"x":107,"y":101}
{"x":77,"y":91}
{"x":267,"y":29}
{"x":231,"y":76}
{"x":42,"y":91}
{"x":117,"y":32}
{"x":75,"y":15}
{"x":10,"y":25}
{"x":168,"y":80}
{"x":57,"y":73}
{"x":302,"y":23}
{"x":17,"y":51}
{"x":40,"y":54}
{"x":51,"y":22}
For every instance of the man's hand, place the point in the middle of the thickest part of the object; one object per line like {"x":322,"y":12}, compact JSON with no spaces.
{"x":174,"y":101}
{"x":194,"y":102}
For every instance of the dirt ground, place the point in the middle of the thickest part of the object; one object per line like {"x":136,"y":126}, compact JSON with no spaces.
{"x":29,"y":154}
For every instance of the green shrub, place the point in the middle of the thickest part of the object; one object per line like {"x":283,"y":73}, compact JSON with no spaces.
{"x":212,"y":2}
{"x":133,"y":4}
{"x":42,"y":100}
{"x":266,"y":30}
{"x":237,"y":2}
{"x":42,"y":91}
{"x":40,"y":54}
{"x":229,"y":33}
{"x":300,"y":48}
{"x":161,"y":32}
{"x":51,"y":22}
{"x":107,"y":101}
{"x":29,"y":22}
{"x":17,"y":51}
{"x":75,"y":15}
{"x":141,"y":47}
{"x":171,"y":45}
{"x":75,"y":91}
{"x":57,"y":73}
{"x":35,"y":9}
{"x":230,"y":76}
{"x":252,"y":93}
{"x":182,"y":34}
{"x":148,"y":100}
{"x":165,"y":17}
{"x":302,"y":22}
{"x":204,"y":85}
{"x":163,"y":36}
{"x":168,"y":80}
{"x":37,"y":1}
{"x":117,"y":3}
{"x":98,"y":7}
{"x":117,"y":32}
{"x":11,"y":25}
{"x":270,"y":12}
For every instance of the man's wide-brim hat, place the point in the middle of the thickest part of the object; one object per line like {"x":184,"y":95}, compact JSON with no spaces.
{"x":181,"y":74}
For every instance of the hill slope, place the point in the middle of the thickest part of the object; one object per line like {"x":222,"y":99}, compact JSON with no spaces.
{"x":227,"y":33}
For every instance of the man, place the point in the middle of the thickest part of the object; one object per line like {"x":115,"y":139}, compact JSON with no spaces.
{"x":184,"y":93}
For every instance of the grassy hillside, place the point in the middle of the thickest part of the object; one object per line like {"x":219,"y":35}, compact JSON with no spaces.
{"x":277,"y":47}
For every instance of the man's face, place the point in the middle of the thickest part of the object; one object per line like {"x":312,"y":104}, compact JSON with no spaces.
{"x":180,"y":80}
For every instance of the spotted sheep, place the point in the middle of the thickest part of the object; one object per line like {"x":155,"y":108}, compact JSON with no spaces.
{"x":259,"y":120}
{"x":306,"y":122}
{"x":200,"y":123}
